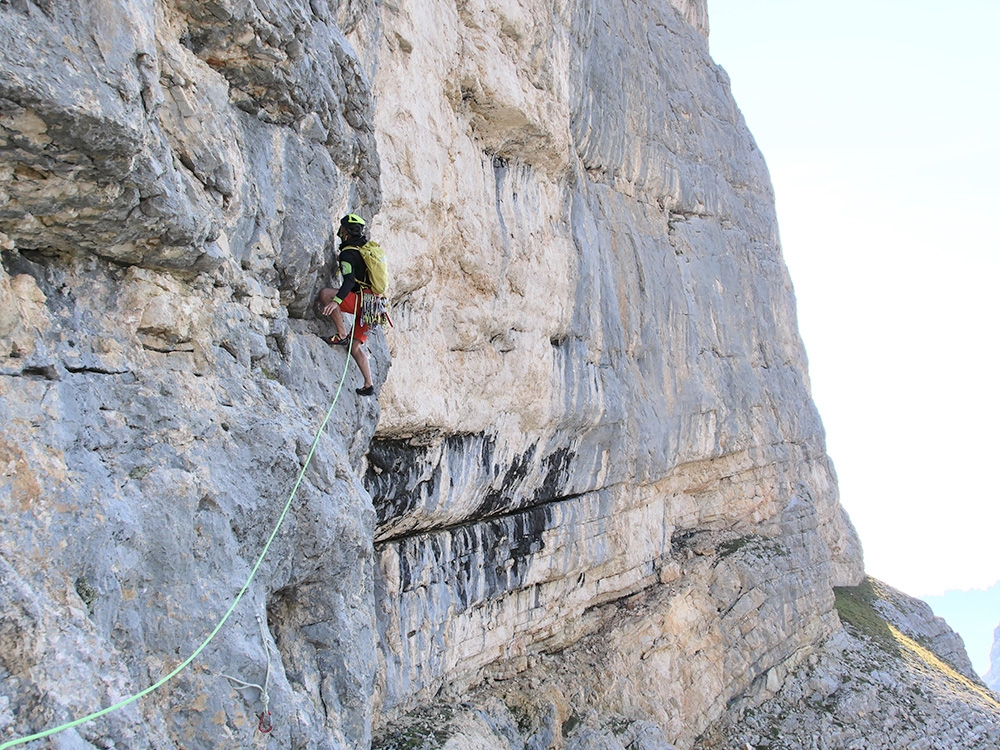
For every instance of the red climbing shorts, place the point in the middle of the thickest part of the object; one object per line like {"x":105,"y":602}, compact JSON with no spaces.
{"x":352,"y":306}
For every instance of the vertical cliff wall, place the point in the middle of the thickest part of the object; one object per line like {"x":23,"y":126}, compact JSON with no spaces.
{"x":598,"y":387}
{"x":595,"y":486}
{"x":170,"y":176}
{"x":992,"y":678}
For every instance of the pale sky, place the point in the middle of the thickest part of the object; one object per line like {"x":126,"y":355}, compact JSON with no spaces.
{"x":880,"y":123}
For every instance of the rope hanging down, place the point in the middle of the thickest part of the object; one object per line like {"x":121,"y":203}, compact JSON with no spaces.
{"x":264,"y":725}
{"x":260,"y":559}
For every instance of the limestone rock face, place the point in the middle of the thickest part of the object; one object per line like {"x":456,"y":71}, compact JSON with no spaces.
{"x":152,"y":147}
{"x":598,"y":389}
{"x":879,"y":683}
{"x":917,"y":620}
{"x":159,"y":389}
{"x":593,"y":496}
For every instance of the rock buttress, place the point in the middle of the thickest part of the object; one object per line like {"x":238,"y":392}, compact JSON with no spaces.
{"x":599,"y":403}
{"x":170,"y":175}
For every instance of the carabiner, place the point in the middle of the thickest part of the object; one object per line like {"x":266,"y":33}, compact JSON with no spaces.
{"x":264,"y":716}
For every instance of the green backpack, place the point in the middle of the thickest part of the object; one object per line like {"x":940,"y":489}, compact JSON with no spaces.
{"x":378,"y":271}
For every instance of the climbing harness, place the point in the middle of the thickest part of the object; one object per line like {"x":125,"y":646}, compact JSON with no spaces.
{"x":265,"y":716}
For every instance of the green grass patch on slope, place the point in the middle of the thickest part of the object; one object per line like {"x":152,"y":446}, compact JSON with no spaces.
{"x":934,"y":662}
{"x":854,"y":605}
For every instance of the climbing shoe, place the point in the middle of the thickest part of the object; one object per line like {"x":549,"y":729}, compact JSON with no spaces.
{"x":336,"y":340}
{"x":367,"y":391}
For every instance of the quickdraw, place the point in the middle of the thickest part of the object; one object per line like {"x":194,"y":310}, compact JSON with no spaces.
{"x":374,"y":310}
{"x":264,"y":725}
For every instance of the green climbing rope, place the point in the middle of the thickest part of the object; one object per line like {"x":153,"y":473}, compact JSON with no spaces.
{"x":180,"y":667}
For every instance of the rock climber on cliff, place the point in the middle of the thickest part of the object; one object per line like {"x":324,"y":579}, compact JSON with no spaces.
{"x":348,"y":298}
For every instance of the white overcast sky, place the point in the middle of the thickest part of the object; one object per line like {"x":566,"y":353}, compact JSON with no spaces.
{"x":880,"y":123}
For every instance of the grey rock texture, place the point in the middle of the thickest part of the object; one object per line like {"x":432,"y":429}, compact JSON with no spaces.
{"x":159,"y":389}
{"x":504,"y":723}
{"x":876,"y":684}
{"x":872,"y":684}
{"x":917,"y":620}
{"x":598,"y":389}
{"x":143,"y":152}
{"x":591,"y":507}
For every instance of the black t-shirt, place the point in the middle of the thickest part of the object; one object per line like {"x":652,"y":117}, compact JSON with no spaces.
{"x":353,"y":269}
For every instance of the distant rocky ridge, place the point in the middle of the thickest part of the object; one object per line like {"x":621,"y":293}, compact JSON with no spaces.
{"x":992,"y":677}
{"x":881,"y":683}
{"x":592,"y":500}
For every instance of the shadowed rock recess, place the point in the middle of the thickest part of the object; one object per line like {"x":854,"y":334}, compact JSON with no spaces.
{"x":591,"y":507}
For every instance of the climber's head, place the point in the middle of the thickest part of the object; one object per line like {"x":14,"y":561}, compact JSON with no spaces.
{"x":351,"y":225}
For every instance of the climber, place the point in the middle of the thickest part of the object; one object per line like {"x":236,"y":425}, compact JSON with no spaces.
{"x":348,"y":298}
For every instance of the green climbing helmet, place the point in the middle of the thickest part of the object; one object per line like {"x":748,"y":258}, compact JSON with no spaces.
{"x":353,"y":224}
